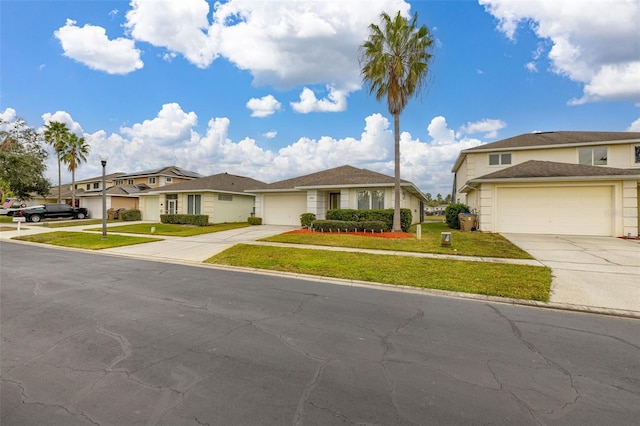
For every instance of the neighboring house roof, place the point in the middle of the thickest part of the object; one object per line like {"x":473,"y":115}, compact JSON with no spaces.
{"x":222,"y":182}
{"x":539,"y":140}
{"x":120,"y":190}
{"x":339,"y":177}
{"x":541,"y":170}
{"x":171,"y":171}
{"x":109,"y":177}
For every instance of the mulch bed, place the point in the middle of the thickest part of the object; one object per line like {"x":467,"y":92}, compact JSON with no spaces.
{"x":389,"y":235}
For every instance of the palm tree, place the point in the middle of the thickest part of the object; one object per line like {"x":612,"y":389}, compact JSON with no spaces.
{"x":75,"y":153}
{"x":395,"y":63}
{"x":56,"y":134}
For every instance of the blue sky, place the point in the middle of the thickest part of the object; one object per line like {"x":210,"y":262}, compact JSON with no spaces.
{"x":271,"y":89}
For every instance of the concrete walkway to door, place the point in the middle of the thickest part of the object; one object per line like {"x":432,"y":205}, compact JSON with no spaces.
{"x":601,"y":272}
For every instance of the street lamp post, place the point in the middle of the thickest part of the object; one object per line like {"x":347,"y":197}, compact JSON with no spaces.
{"x":103,"y":160}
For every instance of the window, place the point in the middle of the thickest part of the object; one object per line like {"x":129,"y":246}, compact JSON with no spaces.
{"x":225,"y":197}
{"x":129,"y":181}
{"x":636,"y":154}
{"x":152,"y":181}
{"x":168,"y":179}
{"x":499,"y":159}
{"x":96,"y":185}
{"x":119,"y":181}
{"x":88,"y":186}
{"x":334,"y":200}
{"x":193,"y":204}
{"x":370,"y":199}
{"x":593,"y":156}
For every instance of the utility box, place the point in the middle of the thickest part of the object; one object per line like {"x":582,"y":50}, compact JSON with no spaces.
{"x":467,"y":221}
{"x":445,"y":239}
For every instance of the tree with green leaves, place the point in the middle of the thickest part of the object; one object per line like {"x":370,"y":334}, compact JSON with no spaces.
{"x":76,"y":152}
{"x":395,"y":63}
{"x":56,"y":134}
{"x":22,"y":161}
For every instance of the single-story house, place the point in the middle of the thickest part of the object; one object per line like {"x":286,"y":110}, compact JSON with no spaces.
{"x":566,"y":182}
{"x":222,"y":197}
{"x":346,"y":187}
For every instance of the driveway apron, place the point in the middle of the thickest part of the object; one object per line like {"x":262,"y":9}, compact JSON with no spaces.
{"x":599,"y":272}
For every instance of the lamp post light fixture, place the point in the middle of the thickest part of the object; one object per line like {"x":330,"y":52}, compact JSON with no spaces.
{"x":103,"y":160}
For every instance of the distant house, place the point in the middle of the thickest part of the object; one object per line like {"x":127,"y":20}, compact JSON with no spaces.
{"x":574,"y":183}
{"x":82,"y":186}
{"x":346,"y":187}
{"x":222,"y":197}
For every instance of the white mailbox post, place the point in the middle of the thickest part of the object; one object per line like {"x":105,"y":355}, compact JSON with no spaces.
{"x":19,"y":219}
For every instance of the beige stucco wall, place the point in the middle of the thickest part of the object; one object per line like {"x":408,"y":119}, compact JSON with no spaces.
{"x":237,"y":210}
{"x":124,"y":203}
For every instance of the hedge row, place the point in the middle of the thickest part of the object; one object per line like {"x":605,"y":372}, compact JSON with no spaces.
{"x":349,"y":226}
{"x":385,"y":216}
{"x":185,"y":219}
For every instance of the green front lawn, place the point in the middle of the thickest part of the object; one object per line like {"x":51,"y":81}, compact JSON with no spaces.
{"x":493,"y":279}
{"x":173,"y":230}
{"x":463,"y":243}
{"x":85,"y":240}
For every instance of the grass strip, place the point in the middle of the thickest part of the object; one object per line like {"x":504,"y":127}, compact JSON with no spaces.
{"x":84,"y":240}
{"x":463,"y":243}
{"x":173,"y":230}
{"x":492,"y":279}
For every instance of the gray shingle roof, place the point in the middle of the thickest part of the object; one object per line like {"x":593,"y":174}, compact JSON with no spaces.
{"x":165,"y":171}
{"x":339,"y":176}
{"x":550,"y":169}
{"x":222,"y":182}
{"x":542,"y":139}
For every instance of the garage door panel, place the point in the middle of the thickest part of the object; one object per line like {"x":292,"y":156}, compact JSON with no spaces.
{"x":284,"y":209}
{"x":555,"y":210}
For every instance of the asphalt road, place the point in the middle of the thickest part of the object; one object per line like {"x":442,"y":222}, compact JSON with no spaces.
{"x":93,"y":339}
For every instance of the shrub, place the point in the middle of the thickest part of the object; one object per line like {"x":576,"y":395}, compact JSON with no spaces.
{"x":253,"y":220}
{"x":349,"y":226}
{"x":185,"y":219}
{"x":306,"y":219}
{"x":348,"y":215}
{"x":130,"y":215}
{"x":451,"y":214}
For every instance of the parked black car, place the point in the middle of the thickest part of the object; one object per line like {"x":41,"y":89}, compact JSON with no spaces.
{"x":37,"y":213}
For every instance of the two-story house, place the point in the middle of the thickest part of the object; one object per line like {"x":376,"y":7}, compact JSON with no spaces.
{"x":566,"y":182}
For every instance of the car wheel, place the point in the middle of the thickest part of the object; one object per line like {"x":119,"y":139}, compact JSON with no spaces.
{"x":34,"y":218}
{"x":80,"y":216}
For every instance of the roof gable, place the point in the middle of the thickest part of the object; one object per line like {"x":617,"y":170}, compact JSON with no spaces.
{"x":551,"y":169}
{"x":542,"y":139}
{"x":222,"y":182}
{"x":338,"y":176}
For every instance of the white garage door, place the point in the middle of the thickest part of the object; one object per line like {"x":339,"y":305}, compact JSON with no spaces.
{"x":555,"y":210}
{"x":93,"y":205}
{"x":284,"y":209}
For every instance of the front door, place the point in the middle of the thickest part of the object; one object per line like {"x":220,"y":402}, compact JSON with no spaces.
{"x":171,"y":206}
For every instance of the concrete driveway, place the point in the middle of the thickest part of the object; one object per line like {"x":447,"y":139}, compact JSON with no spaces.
{"x":601,"y":272}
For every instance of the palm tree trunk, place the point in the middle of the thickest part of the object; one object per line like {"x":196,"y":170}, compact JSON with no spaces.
{"x":396,"y":190}
{"x":73,"y":187}
{"x":59,"y":181}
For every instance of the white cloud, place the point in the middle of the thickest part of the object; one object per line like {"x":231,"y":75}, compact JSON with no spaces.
{"x":263,"y":107}
{"x":91,"y":46}
{"x":595,"y":44}
{"x":336,"y":101}
{"x":63,"y":117}
{"x":270,"y":135}
{"x":635,"y":126}
{"x":180,"y":26}
{"x":488,"y":126}
{"x":171,"y":123}
{"x":8,"y":115}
